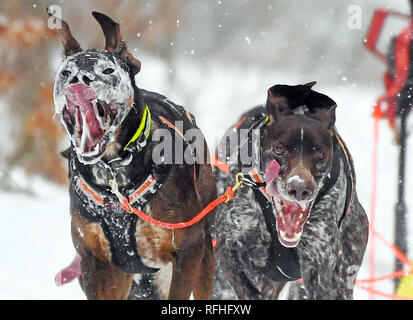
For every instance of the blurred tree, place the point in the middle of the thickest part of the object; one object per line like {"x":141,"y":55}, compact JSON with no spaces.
{"x":25,"y":88}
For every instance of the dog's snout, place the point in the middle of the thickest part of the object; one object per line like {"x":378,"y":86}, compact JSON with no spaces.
{"x":299,"y":190}
{"x":300,"y":184}
{"x":79,"y":78}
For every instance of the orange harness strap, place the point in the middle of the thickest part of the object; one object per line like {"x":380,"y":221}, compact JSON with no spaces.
{"x":125,"y":205}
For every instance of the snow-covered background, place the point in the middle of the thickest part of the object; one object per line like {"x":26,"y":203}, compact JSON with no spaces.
{"x":35,"y":236}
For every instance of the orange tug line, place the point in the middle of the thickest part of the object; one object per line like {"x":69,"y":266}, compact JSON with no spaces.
{"x":125,"y":205}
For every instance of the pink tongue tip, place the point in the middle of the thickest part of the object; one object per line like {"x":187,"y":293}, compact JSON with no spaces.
{"x":69,"y":273}
{"x":272,"y":171}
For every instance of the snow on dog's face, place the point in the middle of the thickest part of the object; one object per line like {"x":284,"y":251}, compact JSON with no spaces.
{"x":93,"y":94}
{"x":297,"y":154}
{"x":94,"y":90}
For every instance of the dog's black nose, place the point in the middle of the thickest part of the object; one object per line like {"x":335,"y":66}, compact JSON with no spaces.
{"x":299,"y":190}
{"x":86,"y":80}
{"x":74,"y":80}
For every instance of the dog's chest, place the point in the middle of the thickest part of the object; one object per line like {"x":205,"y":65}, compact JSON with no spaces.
{"x":322,"y":227}
{"x":241,"y":225}
{"x":135,"y":244}
{"x":154,"y":244}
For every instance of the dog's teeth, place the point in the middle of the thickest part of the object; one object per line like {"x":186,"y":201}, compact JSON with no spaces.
{"x":295,"y":237}
{"x":108,"y":121}
{"x":301,"y":205}
{"x":280,"y":211}
{"x":278,"y":206}
{"x":300,"y":216}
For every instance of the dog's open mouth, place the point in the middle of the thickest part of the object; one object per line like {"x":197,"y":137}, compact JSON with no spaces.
{"x":88,"y":119}
{"x":290,"y":216}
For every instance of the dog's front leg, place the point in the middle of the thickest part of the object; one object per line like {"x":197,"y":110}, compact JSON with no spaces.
{"x":205,"y":284}
{"x":186,"y":265}
{"x":330,"y":256}
{"x":330,"y":280}
{"x":102,"y":280}
{"x":318,"y":275}
{"x":318,"y":253}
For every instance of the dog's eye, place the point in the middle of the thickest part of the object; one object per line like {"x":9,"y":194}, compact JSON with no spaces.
{"x":280,"y":149}
{"x":108,"y":71}
{"x":66,"y":73}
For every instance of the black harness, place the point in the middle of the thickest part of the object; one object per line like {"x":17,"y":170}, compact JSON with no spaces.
{"x":101,"y":205}
{"x":283,"y":263}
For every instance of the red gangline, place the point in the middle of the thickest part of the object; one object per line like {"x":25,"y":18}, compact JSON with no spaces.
{"x":394,"y":275}
{"x":372,"y":259}
{"x":377,"y":115}
{"x":384,"y":294}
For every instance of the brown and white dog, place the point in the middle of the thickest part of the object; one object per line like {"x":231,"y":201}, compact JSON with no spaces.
{"x":298,"y":216}
{"x":111,"y":124}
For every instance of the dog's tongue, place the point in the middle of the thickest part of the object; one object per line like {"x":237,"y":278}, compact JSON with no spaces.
{"x":80,"y":93}
{"x":81,"y":96}
{"x":271,"y":173}
{"x":69,"y":273}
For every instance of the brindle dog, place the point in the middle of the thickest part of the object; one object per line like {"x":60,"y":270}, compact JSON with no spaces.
{"x":301,"y":218}
{"x":111,"y":124}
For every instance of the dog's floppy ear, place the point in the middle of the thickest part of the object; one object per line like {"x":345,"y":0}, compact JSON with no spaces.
{"x":70,"y":45}
{"x":114,"y":41}
{"x":322,"y":107}
{"x":281,"y":98}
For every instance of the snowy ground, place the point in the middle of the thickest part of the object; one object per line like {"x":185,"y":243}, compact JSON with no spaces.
{"x":35,"y":230}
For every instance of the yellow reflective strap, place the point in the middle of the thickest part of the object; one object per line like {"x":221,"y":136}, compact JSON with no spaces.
{"x":149,"y":124}
{"x":142,"y":125}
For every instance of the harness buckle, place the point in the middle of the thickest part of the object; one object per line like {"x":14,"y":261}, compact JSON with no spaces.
{"x":122,"y":200}
{"x":238,"y":181}
{"x":238,"y":184}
